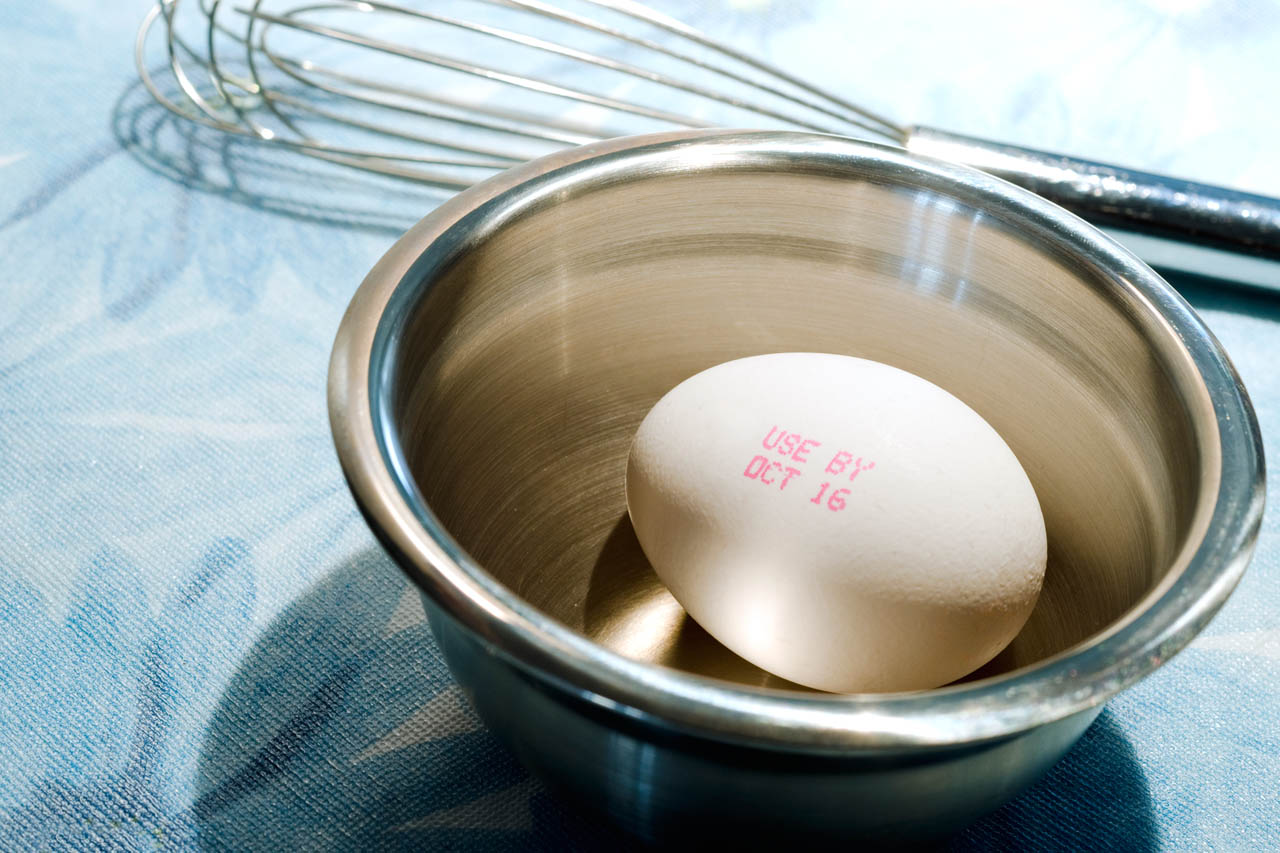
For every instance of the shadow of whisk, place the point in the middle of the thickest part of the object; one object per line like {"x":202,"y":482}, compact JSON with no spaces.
{"x":265,"y":177}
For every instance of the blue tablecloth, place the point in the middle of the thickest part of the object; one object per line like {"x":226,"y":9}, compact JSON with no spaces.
{"x":201,"y":644}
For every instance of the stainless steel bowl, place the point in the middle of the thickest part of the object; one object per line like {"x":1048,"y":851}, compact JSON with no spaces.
{"x":491,"y":370}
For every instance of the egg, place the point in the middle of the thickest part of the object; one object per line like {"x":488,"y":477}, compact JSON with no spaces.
{"x":839,"y":522}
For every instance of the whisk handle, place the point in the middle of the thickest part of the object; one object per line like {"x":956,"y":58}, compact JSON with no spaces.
{"x":1168,"y":222}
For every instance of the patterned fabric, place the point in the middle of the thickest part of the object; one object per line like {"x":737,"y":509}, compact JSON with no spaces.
{"x":201,"y":645}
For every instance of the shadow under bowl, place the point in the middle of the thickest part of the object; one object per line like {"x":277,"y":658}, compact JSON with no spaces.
{"x":493,"y":367}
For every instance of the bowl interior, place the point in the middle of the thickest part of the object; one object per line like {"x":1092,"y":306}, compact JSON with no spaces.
{"x":526,"y":366}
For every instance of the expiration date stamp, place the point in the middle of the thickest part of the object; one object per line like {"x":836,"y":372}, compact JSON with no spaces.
{"x":787,"y":457}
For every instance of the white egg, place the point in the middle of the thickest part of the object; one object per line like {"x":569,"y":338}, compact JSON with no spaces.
{"x":836,"y":521}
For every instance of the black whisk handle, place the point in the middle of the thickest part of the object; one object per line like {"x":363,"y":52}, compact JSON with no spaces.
{"x":1168,"y":222}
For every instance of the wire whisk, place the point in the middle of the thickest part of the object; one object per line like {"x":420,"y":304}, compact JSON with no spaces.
{"x":274,"y":91}
{"x":450,"y":94}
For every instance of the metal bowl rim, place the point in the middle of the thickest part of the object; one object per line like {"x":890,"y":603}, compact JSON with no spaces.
{"x":546,"y":650}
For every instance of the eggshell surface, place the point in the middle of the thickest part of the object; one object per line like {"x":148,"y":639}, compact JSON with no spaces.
{"x":841,"y":523}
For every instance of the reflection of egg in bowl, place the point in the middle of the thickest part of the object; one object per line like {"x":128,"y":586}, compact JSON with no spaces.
{"x":492,"y":371}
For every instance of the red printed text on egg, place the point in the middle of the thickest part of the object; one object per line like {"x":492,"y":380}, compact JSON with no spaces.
{"x":789,"y":454}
